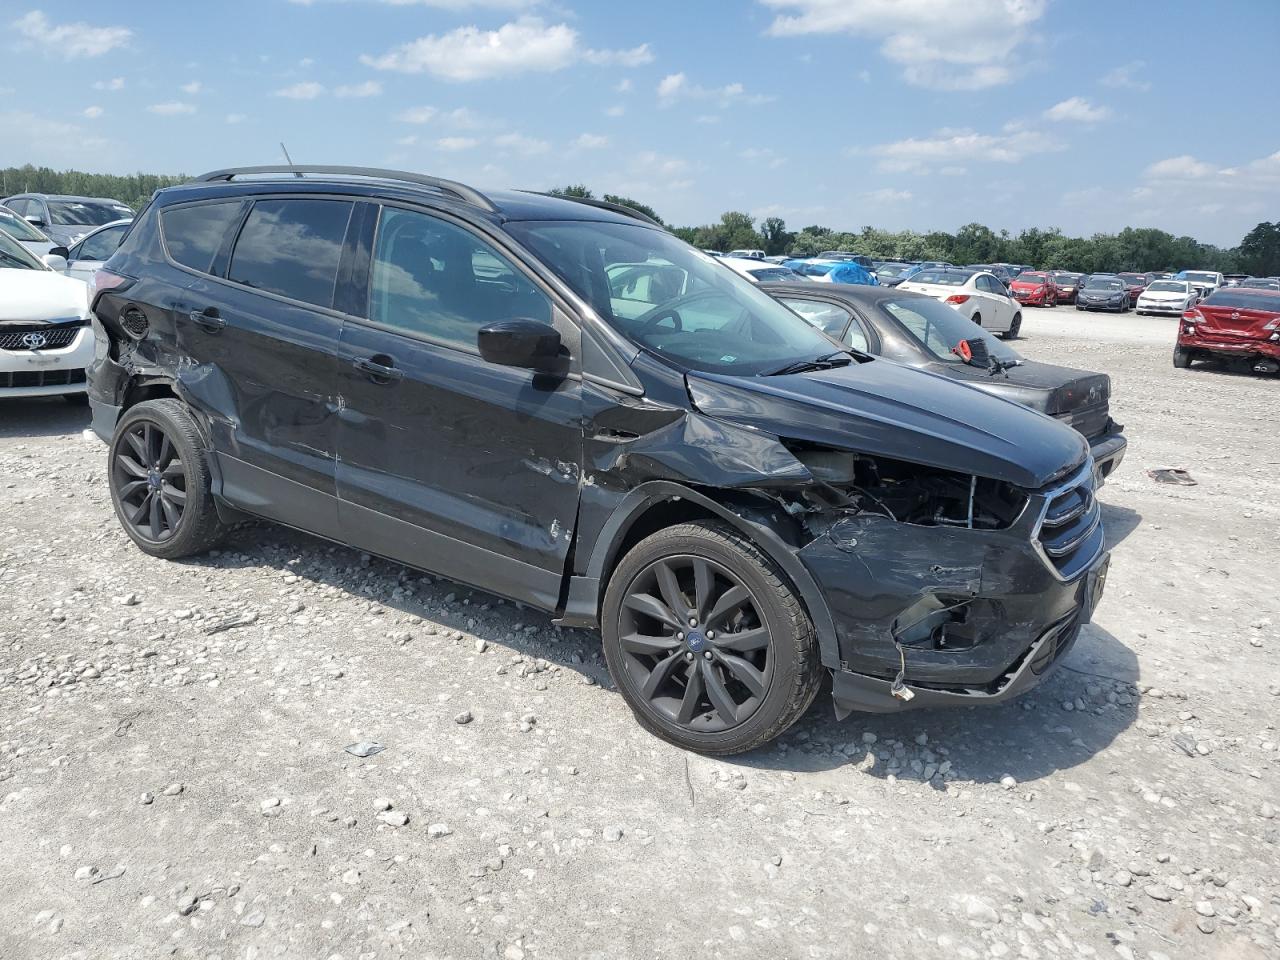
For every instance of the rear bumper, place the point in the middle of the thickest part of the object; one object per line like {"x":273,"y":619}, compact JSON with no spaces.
{"x":1242,"y":347}
{"x":1108,"y":449}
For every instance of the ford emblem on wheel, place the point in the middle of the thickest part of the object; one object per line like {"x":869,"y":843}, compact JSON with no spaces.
{"x":34,"y":341}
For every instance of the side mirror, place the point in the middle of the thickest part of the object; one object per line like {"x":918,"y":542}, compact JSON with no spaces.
{"x":34,"y":219}
{"x":62,"y":252}
{"x":55,"y":262}
{"x":520,"y":343}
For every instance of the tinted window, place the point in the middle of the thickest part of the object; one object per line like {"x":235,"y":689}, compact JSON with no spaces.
{"x":946,"y":278}
{"x":437,"y":280}
{"x":18,"y":206}
{"x":939,"y":328}
{"x":991,"y":285}
{"x":831,"y":320}
{"x":193,"y":234}
{"x":101,"y":245}
{"x":1243,"y":300}
{"x":292,"y":247}
{"x":68,"y":213}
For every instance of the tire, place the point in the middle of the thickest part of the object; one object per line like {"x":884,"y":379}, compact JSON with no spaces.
{"x":1079,"y":307}
{"x":977,"y":318}
{"x":1181,"y":358}
{"x":156,"y":444}
{"x":705,"y":562}
{"x":1012,"y":332}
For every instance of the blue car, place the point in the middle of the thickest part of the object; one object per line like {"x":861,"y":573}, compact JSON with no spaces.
{"x":834,"y":271}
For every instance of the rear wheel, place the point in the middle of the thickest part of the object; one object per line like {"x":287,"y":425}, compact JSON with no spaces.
{"x":1181,"y":358}
{"x":159,"y":479}
{"x":707,"y":640}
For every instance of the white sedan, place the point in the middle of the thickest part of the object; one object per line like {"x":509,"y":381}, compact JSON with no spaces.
{"x":90,"y":252}
{"x":1173,"y":297}
{"x":27,"y":235}
{"x":758,"y":271}
{"x":45,"y":337}
{"x":978,"y":295}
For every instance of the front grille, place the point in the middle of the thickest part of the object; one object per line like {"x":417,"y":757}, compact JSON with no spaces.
{"x":1070,"y":533}
{"x":54,"y":336}
{"x":41,"y":378}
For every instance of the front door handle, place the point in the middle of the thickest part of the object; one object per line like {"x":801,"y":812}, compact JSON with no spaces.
{"x":379,"y":368}
{"x":207,"y":318}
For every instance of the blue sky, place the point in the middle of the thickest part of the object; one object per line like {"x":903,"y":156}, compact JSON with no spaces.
{"x":894,"y":113}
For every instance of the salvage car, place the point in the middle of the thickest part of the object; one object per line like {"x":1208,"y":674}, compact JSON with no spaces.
{"x":22,"y":231}
{"x":1103,"y":291}
{"x":94,"y":249}
{"x":1135,"y":283}
{"x":1236,"y":324}
{"x":758,"y":271}
{"x":1068,"y":285}
{"x":65,"y":219}
{"x":976,"y":294}
{"x":448,"y":379}
{"x":1205,"y":281}
{"x":890,"y":273}
{"x":45,"y":340}
{"x":916,"y":330}
{"x":832,"y":271}
{"x":1169,"y":297}
{"x":1035,"y":289}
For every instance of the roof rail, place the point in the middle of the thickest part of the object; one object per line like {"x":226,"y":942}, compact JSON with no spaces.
{"x":450,"y":188}
{"x":603,"y":205}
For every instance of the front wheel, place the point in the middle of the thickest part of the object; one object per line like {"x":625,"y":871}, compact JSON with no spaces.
{"x":159,"y":478}
{"x":1012,"y":332}
{"x":708,"y":641}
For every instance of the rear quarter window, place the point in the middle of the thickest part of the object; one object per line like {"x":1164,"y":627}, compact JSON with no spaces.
{"x":194,"y":233}
{"x":292,"y":248}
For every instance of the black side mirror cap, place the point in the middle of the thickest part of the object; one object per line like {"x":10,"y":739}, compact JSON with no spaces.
{"x":520,"y":343}
{"x":62,"y":252}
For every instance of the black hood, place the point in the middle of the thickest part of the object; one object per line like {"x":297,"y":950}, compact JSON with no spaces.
{"x":882,"y":408}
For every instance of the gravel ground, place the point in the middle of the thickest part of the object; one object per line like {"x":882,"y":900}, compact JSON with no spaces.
{"x":173,"y":778}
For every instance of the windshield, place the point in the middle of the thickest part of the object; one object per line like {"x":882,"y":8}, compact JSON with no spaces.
{"x":19,"y":229}
{"x":892,"y":269}
{"x":1243,"y":300}
{"x":939,"y":328}
{"x":1104,"y":283}
{"x":945,"y":278}
{"x":1199,"y":276}
{"x":765,"y":274}
{"x":14,"y":256}
{"x":1067,"y":277}
{"x":1167,"y":286}
{"x":1032,"y":278}
{"x":73,"y":213}
{"x":1134,"y":277}
{"x":671,"y":299}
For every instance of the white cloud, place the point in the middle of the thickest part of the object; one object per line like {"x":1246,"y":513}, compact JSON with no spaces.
{"x":71,"y":41}
{"x":941,"y":44}
{"x":307,"y":90}
{"x":50,"y":142}
{"x":616,"y":110}
{"x":527,"y":45}
{"x":234,"y":118}
{"x":454,"y":144}
{"x":887,"y":195}
{"x":92,"y":113}
{"x":1078,"y":109}
{"x":529,"y":146}
{"x":370,"y":88}
{"x":416,"y":115}
{"x":408,"y":141}
{"x":624,"y":86}
{"x":171,"y":108}
{"x":1185,"y":167}
{"x":191,"y":88}
{"x":114,"y":84}
{"x":1125,"y":77}
{"x":591,"y":141}
{"x":764,"y":156}
{"x":948,"y":147}
{"x":676,"y":86}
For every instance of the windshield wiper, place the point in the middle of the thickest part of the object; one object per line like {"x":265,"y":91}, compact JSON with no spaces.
{"x":837,"y":359}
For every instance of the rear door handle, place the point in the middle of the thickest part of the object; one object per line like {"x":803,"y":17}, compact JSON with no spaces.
{"x":207,"y":318}
{"x":379,"y":368}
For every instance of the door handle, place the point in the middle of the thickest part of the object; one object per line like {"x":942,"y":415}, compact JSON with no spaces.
{"x":207,"y":318}
{"x":383,"y":373}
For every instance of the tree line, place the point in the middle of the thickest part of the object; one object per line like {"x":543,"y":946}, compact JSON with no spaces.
{"x":1133,"y":248}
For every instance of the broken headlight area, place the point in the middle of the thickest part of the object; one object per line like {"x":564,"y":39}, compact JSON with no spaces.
{"x":851,"y":484}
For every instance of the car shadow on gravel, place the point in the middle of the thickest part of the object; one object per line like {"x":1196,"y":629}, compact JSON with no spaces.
{"x":41,"y":417}
{"x":1118,"y":522}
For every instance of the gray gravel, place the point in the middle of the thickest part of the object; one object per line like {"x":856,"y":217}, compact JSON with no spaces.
{"x":180,"y":771}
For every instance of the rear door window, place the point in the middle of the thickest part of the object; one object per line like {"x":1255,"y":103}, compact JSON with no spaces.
{"x":292,"y":248}
{"x":194,"y":233}
{"x":101,"y":245}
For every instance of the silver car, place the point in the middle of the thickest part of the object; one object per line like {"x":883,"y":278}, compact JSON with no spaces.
{"x":27,"y":235}
{"x":66,"y":219}
{"x":93,"y":250}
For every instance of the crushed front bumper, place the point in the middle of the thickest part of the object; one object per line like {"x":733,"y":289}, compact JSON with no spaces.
{"x":979,"y":616}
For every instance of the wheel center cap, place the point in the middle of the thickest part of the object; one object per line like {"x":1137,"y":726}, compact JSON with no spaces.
{"x":696,"y":640}
{"x":153,"y":479}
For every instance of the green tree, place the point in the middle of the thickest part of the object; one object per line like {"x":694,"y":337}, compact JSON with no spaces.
{"x":644,"y":208}
{"x":575,"y":191}
{"x":777,"y":240}
{"x":1260,"y":250}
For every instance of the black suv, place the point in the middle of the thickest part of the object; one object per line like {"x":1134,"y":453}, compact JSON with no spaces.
{"x":558,"y":401}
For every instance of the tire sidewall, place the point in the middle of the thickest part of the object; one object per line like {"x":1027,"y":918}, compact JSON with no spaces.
{"x":786,"y":661}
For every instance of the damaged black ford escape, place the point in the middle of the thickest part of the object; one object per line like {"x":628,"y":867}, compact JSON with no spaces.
{"x":560,"y":402}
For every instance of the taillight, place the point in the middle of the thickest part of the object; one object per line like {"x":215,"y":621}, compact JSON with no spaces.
{"x":1273,"y":325}
{"x":957,"y":298}
{"x":1193,"y":316}
{"x":106,"y":280}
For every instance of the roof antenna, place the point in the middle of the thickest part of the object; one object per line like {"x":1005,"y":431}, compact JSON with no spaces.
{"x":288,"y":159}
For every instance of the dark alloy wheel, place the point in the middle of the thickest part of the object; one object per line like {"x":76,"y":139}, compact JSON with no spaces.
{"x":158,"y":472}
{"x":707,"y":639}
{"x":694,"y":643}
{"x":150,"y":481}
{"x":1014,"y":328}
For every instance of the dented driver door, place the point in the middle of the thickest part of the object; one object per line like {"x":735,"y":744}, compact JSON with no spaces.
{"x":445,"y":461}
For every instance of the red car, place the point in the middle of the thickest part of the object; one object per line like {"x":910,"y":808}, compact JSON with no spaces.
{"x":1135,"y":282}
{"x":1235,"y":322}
{"x":1035,"y":288}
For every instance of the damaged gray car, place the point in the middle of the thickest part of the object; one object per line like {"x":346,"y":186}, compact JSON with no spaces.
{"x":559,"y":402}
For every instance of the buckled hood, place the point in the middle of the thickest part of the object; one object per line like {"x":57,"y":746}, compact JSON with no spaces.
{"x":882,"y":408}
